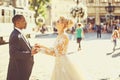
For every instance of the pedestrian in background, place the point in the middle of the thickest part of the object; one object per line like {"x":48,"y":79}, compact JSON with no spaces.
{"x":115,"y":36}
{"x":73,"y":33}
{"x":98,"y":27}
{"x":79,"y":35}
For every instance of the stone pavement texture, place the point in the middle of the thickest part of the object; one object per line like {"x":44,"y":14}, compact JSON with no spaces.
{"x":92,"y":59}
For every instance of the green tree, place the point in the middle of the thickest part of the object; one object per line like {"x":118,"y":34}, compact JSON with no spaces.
{"x":39,"y":6}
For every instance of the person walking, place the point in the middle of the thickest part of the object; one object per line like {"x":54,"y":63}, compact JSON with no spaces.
{"x":115,"y":36}
{"x":20,"y":51}
{"x":79,"y":35}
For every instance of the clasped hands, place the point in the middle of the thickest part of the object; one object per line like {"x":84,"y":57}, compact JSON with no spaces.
{"x":35,"y":49}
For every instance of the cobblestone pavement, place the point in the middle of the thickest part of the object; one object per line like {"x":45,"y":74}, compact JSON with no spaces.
{"x":93,"y":59}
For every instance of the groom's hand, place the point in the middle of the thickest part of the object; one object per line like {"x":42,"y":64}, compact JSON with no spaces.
{"x":34,"y":50}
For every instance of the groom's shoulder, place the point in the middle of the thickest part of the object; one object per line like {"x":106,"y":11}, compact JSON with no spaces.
{"x":14,"y":33}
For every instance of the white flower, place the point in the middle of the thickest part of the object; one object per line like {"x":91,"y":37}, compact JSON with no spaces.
{"x":19,"y":36}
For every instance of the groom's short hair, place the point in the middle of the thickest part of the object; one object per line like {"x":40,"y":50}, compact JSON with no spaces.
{"x":17,"y":18}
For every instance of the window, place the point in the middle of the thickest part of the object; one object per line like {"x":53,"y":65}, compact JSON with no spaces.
{"x":104,"y":0}
{"x":1,"y":2}
{"x":117,"y":0}
{"x":3,"y":12}
{"x":90,"y":1}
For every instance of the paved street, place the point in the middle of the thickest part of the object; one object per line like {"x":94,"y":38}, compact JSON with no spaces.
{"x":92,"y":59}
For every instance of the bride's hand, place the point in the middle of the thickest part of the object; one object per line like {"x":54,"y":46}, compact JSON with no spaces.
{"x":37,"y":45}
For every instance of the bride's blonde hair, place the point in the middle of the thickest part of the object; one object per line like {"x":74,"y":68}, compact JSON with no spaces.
{"x":67,"y":22}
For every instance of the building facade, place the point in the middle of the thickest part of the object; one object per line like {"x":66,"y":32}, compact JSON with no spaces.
{"x":97,"y":12}
{"x":9,"y":8}
{"x":95,"y":9}
{"x":61,"y":8}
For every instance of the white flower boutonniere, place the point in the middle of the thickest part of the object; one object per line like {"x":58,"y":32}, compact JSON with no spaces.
{"x":19,"y":36}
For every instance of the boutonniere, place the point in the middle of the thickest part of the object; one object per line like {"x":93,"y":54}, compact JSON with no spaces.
{"x":19,"y":36}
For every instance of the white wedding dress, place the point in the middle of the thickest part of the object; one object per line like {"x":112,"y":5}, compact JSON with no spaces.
{"x":64,"y":69}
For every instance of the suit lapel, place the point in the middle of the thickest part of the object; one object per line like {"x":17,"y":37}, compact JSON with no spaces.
{"x":27,"y":43}
{"x":23,"y":38}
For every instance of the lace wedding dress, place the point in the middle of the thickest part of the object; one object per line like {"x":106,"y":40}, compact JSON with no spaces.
{"x":64,"y":69}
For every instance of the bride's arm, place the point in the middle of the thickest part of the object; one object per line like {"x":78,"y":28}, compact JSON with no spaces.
{"x":58,"y":49}
{"x":47,"y":50}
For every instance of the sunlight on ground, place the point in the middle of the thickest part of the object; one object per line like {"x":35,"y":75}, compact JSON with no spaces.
{"x":91,"y":60}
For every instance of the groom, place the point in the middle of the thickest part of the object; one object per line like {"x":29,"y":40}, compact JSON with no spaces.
{"x":21,"y":53}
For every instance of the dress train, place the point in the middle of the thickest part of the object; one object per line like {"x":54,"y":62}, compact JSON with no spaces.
{"x":65,"y":70}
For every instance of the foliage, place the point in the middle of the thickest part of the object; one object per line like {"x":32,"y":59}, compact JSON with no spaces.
{"x":39,"y":6}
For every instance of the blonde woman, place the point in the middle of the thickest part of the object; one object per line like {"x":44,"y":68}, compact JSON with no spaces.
{"x":115,"y":36}
{"x":63,"y":69}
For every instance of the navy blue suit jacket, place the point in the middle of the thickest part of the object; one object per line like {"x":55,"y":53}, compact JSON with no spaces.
{"x":21,"y":61}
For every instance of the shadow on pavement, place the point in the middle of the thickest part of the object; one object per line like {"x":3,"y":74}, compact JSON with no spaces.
{"x":112,"y":51}
{"x":116,"y":55}
{"x":4,"y":43}
{"x":93,"y":36}
{"x":88,"y":36}
{"x":53,"y":35}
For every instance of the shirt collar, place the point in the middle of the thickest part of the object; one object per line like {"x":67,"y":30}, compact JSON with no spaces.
{"x":18,"y":29}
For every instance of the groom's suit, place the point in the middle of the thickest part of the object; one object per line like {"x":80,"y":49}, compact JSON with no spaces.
{"x":21,"y":61}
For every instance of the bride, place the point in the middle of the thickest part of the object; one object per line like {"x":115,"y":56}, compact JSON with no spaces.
{"x":63,"y":69}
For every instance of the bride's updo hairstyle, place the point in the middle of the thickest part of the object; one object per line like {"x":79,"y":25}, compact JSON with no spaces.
{"x":67,"y":22}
